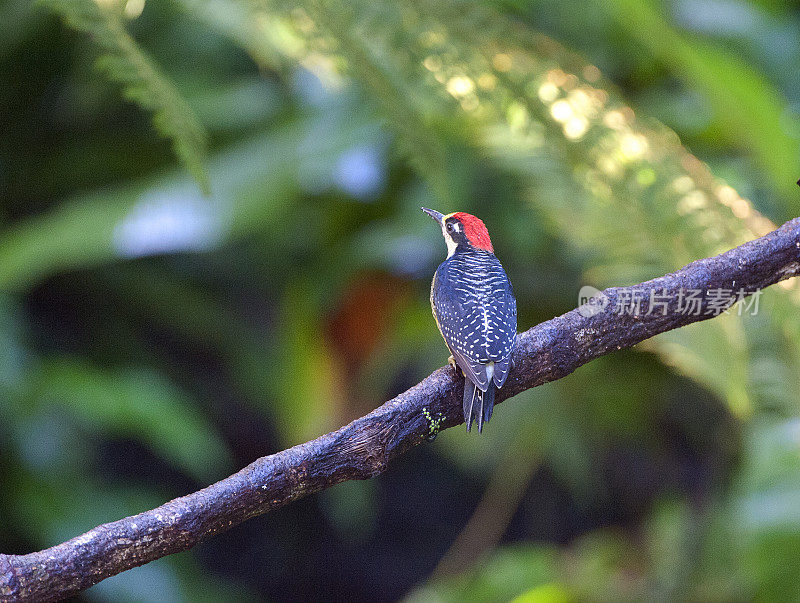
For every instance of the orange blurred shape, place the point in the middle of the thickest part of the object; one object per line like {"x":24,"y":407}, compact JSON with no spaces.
{"x":364,"y":316}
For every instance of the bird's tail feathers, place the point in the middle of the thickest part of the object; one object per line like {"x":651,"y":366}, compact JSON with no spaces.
{"x":488,"y":403}
{"x":478,"y":405}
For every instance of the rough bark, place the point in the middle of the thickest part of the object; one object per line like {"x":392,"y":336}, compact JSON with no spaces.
{"x":363,"y":448}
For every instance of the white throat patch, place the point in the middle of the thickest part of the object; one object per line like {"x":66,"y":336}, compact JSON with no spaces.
{"x":451,"y":244}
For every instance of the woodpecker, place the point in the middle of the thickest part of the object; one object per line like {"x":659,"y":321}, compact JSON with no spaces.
{"x":474,"y":307}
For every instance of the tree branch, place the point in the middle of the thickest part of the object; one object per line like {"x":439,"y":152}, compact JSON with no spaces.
{"x":363,"y":448}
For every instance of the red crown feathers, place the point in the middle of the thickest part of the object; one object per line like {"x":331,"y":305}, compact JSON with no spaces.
{"x":475,"y":230}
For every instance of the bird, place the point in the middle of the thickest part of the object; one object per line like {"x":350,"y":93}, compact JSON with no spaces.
{"x":474,"y":307}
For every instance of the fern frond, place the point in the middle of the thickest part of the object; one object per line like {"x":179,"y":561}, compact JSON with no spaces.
{"x":618,"y":187}
{"x":124,"y":62}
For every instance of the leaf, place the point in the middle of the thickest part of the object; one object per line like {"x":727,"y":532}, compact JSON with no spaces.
{"x":140,"y":403}
{"x":167,"y":214}
{"x":124,"y":62}
{"x":764,"y":522}
{"x":751,"y":111}
{"x":510,"y":572}
{"x":618,"y":188}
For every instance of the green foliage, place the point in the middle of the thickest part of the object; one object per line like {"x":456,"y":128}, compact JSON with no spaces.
{"x":546,"y":125}
{"x":143,"y":83}
{"x":289,"y":300}
{"x":515,"y":571}
{"x":136,"y":404}
{"x":750,"y":110}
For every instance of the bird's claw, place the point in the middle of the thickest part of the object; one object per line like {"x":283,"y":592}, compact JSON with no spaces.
{"x":452,"y":362}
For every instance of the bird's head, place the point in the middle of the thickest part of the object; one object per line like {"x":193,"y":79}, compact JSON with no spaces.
{"x":462,"y":231}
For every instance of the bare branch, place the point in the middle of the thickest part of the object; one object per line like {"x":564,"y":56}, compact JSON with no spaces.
{"x":363,"y":448}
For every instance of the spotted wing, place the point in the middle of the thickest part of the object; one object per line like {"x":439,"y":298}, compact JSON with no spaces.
{"x":502,"y":346}
{"x":476,"y":312}
{"x":503,"y":316}
{"x":451,"y":315}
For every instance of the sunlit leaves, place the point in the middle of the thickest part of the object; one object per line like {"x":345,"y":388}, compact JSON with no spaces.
{"x":751,"y":112}
{"x":620,"y":188}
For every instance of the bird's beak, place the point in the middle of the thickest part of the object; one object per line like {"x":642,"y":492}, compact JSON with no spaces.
{"x":433,"y":214}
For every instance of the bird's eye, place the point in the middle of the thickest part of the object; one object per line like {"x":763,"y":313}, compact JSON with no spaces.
{"x":450,"y":227}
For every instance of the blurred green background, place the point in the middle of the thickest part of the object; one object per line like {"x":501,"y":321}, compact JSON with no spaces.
{"x":211,"y":249}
